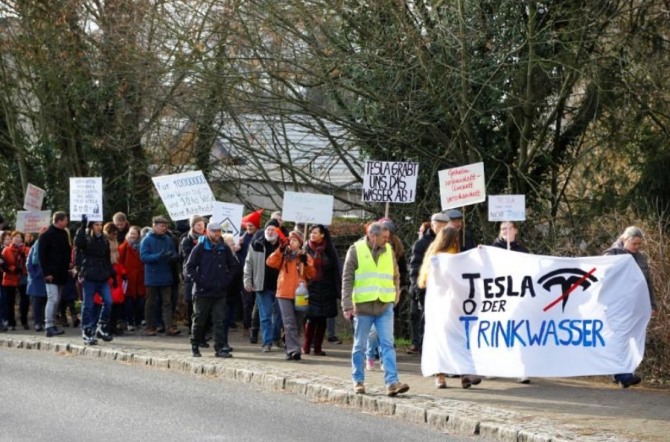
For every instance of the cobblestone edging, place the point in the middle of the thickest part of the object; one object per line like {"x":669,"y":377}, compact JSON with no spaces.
{"x":451,"y":416}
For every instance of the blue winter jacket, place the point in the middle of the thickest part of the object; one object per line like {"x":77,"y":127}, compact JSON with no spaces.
{"x":157,"y":252}
{"x":36,"y":284}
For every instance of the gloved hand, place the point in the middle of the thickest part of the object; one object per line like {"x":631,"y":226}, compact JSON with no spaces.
{"x":84,"y":220}
{"x":282,"y":243}
{"x":303,"y":258}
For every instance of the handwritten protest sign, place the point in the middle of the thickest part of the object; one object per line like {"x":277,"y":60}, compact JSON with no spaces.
{"x":507,"y":207}
{"x":308,"y":208}
{"x":86,"y":198}
{"x":34,"y":198}
{"x":32,"y":221}
{"x":462,"y":186}
{"x":392,"y":182}
{"x":229,"y":215}
{"x":185,"y":194}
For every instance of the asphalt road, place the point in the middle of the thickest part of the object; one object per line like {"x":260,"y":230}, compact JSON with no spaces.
{"x":46,"y":396}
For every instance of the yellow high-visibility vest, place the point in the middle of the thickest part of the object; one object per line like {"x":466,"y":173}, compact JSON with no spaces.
{"x":373,"y":280}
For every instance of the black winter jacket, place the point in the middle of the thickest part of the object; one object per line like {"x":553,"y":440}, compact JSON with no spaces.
{"x":96,"y":263}
{"x":418,"y":252}
{"x":324,"y":289}
{"x":212,"y":267}
{"x":54,"y":254}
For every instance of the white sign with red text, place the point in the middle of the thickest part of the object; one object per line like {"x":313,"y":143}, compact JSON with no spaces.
{"x":32,"y":222}
{"x":462,"y":186}
{"x":34,"y":198}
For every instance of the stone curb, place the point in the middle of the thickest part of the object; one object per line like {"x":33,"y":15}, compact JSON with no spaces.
{"x":451,"y":416}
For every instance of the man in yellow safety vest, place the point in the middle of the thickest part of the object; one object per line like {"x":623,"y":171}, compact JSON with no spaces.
{"x":370,"y":288}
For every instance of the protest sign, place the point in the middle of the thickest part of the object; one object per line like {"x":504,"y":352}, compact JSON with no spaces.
{"x":32,"y":221}
{"x":86,"y":198}
{"x":494,"y":312}
{"x":390,"y":182}
{"x":229,"y":216}
{"x":33,"y":198}
{"x":507,"y":207}
{"x":308,"y":208}
{"x":462,"y":186}
{"x":185,"y":194}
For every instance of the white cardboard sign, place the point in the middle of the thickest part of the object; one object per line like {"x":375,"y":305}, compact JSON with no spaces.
{"x":185,"y":194}
{"x":34,"y":198}
{"x":388,"y":181}
{"x":31,"y":221}
{"x":308,"y":208}
{"x":462,"y":186}
{"x":229,"y":215}
{"x":86,"y":198}
{"x":507,"y":207}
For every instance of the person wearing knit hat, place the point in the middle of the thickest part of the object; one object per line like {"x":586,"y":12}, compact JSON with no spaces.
{"x":295,"y":268}
{"x":195,"y":219}
{"x":254,"y":218}
{"x":186,"y":245}
{"x":297,"y":236}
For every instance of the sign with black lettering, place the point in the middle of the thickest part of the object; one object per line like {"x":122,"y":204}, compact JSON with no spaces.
{"x":185,"y":194}
{"x":494,"y":312}
{"x":390,"y":182}
{"x":507,"y":207}
{"x":229,"y":216}
{"x":86,"y":198}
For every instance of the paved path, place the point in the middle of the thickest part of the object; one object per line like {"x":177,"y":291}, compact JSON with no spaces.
{"x":591,"y":409}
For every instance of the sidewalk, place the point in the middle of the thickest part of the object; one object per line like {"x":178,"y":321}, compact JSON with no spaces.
{"x":584,"y":409}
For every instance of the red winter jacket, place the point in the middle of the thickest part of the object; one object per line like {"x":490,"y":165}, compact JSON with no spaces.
{"x":130,"y":259}
{"x":15,"y":264}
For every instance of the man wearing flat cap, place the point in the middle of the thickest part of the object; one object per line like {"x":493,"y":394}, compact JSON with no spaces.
{"x":157,"y":252}
{"x":455,"y":220}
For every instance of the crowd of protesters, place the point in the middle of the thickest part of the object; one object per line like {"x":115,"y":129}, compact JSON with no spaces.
{"x":128,"y":280}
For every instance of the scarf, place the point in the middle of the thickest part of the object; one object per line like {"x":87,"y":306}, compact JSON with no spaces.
{"x":319,"y":250}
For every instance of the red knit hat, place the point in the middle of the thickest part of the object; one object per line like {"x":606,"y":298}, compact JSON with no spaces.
{"x":253,"y":218}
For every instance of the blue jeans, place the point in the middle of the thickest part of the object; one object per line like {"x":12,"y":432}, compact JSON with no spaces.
{"x":88,"y":319}
{"x":384,"y":325}
{"x":270,"y":316}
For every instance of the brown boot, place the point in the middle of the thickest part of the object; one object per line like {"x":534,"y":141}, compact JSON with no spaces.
{"x":309,"y":336}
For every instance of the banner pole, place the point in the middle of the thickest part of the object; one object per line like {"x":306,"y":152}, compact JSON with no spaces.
{"x":386,"y":211}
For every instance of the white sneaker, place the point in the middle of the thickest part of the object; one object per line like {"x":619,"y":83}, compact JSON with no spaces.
{"x":523,"y":381}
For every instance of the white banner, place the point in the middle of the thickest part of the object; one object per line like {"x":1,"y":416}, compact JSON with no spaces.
{"x":86,"y":198}
{"x":388,"y":181}
{"x":494,"y":312}
{"x":32,"y":222}
{"x":309,"y":208}
{"x":185,"y":194}
{"x":229,"y":215}
{"x":507,"y":207}
{"x":462,"y":186}
{"x":33,"y":198}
